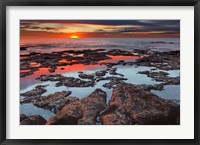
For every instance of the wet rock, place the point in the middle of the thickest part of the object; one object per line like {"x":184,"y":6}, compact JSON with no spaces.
{"x":34,"y":53}
{"x":55,"y":102}
{"x":112,"y":84}
{"x":24,"y":74}
{"x":130,"y":104}
{"x":86,"y":76}
{"x":83,"y":111}
{"x":141,"y":52}
{"x":158,"y":42}
{"x":34,"y":120}
{"x":162,"y":77}
{"x":94,"y":56}
{"x":161,"y":60}
{"x":151,"y":87}
{"x":33,"y":95}
{"x":29,"y":99}
{"x":67,"y":81}
{"x":52,"y":69}
{"x":37,"y":91}
{"x":23,"y":117}
{"x":101,"y":73}
{"x":154,"y":74}
{"x":86,"y":57}
{"x":75,"y":82}
{"x":113,"y":71}
{"x":56,"y":77}
{"x":23,"y":48}
{"x":112,"y":79}
{"x":118,"y":52}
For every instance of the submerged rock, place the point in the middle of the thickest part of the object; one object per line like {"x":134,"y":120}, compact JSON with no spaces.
{"x":81,"y":112}
{"x":130,"y":104}
{"x":32,"y":120}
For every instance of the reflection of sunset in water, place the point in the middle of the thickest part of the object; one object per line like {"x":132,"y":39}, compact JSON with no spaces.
{"x":35,"y":64}
{"x":30,"y":79}
{"x":24,"y":71}
{"x":65,"y":61}
{"x":77,"y":67}
{"x":120,"y":57}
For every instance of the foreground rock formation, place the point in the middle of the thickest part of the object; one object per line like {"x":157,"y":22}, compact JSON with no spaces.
{"x":32,"y":120}
{"x":82,"y":112}
{"x":132,"y":105}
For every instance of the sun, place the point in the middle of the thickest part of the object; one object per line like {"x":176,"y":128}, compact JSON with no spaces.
{"x":74,"y":36}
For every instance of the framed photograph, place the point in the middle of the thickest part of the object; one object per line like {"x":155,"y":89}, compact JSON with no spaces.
{"x":99,"y":72}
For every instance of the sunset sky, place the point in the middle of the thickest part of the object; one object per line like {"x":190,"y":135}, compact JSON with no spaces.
{"x":100,"y":28}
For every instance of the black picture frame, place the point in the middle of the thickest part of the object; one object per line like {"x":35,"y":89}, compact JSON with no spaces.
{"x":5,"y":3}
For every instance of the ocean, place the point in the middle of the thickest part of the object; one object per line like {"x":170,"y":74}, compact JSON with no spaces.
{"x":61,"y":44}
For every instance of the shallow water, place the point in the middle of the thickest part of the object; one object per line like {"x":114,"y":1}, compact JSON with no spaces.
{"x":130,"y":72}
{"x":30,"y":109}
{"x":169,"y":92}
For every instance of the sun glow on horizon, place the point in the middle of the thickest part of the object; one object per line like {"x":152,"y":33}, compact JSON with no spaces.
{"x":74,"y":36}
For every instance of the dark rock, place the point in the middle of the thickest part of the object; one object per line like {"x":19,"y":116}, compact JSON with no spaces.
{"x":52,"y":69}
{"x":83,"y":111}
{"x":101,"y":73}
{"x":112,"y":71}
{"x":158,"y":42}
{"x":151,"y":87}
{"x":56,"y":77}
{"x":67,"y":81}
{"x":23,"y":48}
{"x":132,"y":105}
{"x":37,"y":91}
{"x":23,"y":117}
{"x":86,"y":76}
{"x":24,"y":74}
{"x":162,"y":77}
{"x":34,"y":120}
{"x":55,"y":102}
{"x":33,"y":95}
{"x":34,"y":53}
{"x":29,"y":99}
{"x":118,"y":52}
{"x":161,"y":60}
{"x":75,"y":82}
{"x":141,"y":52}
{"x":113,"y":79}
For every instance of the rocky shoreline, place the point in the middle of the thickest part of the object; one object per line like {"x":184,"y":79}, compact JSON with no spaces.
{"x":130,"y":104}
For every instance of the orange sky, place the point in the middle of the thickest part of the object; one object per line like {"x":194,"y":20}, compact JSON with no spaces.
{"x":100,"y":28}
